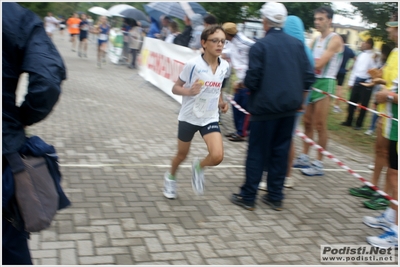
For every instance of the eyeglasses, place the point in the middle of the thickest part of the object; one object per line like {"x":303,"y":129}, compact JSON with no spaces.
{"x":217,"y":41}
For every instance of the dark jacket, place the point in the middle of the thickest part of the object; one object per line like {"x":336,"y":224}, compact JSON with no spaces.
{"x":183,"y":39}
{"x":154,"y":28}
{"x":278,"y":73}
{"x":27,"y":48}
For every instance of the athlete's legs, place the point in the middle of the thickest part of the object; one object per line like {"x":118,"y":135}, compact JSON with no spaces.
{"x":321,"y":111}
{"x":183,"y":150}
{"x":215,"y":149}
{"x":381,"y":156}
{"x":308,"y":126}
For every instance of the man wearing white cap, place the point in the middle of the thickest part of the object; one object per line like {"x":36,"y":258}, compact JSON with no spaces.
{"x":239,"y":54}
{"x":278,"y":78}
{"x":328,"y":55}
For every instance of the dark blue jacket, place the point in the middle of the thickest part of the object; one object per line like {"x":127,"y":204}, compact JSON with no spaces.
{"x":154,"y":28}
{"x":279,"y":72}
{"x":27,"y":48}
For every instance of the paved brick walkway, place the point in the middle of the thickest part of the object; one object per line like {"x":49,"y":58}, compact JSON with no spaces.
{"x":115,"y":135}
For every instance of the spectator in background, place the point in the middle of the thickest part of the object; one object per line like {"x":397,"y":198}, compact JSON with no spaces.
{"x":239,"y":55}
{"x":125,"y":31}
{"x":366,"y":60}
{"x":164,"y":31}
{"x":154,"y":30}
{"x":294,"y":26}
{"x":327,"y":52}
{"x":135,"y":39}
{"x":347,"y":54}
{"x":183,"y":39}
{"x":174,"y":31}
{"x":73,"y":28}
{"x":385,"y":51}
{"x":278,"y":76}
{"x":26,"y":48}
{"x":209,"y":20}
{"x":198,"y":27}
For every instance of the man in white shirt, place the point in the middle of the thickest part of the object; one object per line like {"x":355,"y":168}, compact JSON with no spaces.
{"x":359,"y":93}
{"x":239,"y":55}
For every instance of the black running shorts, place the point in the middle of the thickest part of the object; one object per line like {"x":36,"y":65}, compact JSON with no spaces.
{"x":186,"y":130}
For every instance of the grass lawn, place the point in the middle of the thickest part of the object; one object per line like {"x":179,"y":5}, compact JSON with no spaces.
{"x":356,"y":140}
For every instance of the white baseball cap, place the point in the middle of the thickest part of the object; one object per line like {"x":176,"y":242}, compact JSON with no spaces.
{"x":274,"y":11}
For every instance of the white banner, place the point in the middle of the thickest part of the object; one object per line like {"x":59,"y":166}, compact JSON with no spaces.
{"x":161,"y":63}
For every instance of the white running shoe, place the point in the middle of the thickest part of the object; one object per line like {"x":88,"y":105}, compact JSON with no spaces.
{"x":337,"y":109}
{"x":371,"y":166}
{"x":317,"y":169}
{"x":169,"y":187}
{"x":197,"y":178}
{"x":262,"y":186}
{"x":369,"y":132}
{"x":378,"y":222}
{"x":289,"y":183}
{"x":302,"y":162}
{"x":386,"y":240}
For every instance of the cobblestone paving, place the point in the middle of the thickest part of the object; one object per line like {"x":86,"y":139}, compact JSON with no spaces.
{"x":116,"y":134}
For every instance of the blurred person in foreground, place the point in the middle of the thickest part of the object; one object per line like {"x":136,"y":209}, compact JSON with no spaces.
{"x":278,"y":78}
{"x":26,"y":48}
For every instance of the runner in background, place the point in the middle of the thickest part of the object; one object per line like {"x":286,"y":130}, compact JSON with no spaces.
{"x":62,"y":26}
{"x":50,"y":24}
{"x":103,"y":30}
{"x":73,"y":28}
{"x":83,"y":36}
{"x":200,"y":84}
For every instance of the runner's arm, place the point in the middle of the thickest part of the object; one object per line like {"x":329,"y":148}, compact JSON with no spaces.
{"x":335,"y":45}
{"x":178,"y":88}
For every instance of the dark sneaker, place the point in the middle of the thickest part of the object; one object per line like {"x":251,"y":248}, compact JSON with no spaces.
{"x":238,"y":200}
{"x":276,"y":205}
{"x":378,"y":202}
{"x":363,"y":191}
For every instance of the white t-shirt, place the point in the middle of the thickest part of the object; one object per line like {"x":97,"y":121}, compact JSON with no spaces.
{"x":202,"y":109}
{"x":50,"y":24}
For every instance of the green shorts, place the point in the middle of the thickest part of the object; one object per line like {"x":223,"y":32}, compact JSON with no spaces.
{"x":325,"y":84}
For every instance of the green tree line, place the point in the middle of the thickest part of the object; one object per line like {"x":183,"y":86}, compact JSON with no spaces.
{"x":237,"y":12}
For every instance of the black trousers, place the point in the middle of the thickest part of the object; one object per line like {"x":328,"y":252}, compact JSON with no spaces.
{"x":359,"y":94}
{"x":134,"y":53}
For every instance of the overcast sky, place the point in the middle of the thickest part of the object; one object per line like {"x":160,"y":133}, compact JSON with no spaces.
{"x":356,"y":21}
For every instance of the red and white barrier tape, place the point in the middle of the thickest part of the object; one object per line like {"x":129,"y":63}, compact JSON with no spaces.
{"x":329,"y":155}
{"x":354,"y":104}
{"x":236,"y":105}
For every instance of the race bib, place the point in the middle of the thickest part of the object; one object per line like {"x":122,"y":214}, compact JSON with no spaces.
{"x":205,"y":105}
{"x":75,"y":25}
{"x":103,"y":37}
{"x":85,"y":28}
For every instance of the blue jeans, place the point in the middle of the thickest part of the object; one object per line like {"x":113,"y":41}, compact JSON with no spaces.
{"x":269,"y":144}
{"x":15,"y":246}
{"x":241,"y":97}
{"x":373,"y":122}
